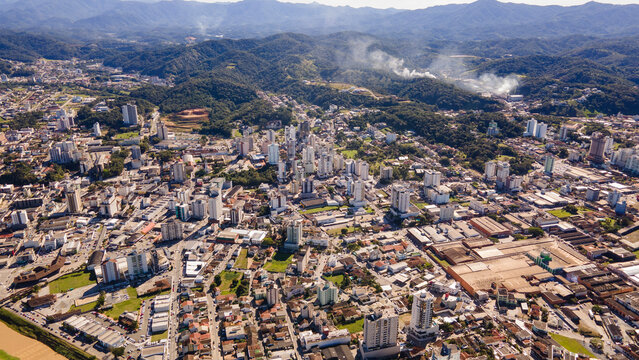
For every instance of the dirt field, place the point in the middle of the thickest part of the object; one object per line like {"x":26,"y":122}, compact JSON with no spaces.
{"x":23,"y":347}
{"x":187,"y":120}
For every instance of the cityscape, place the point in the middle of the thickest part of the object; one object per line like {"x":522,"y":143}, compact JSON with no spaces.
{"x":150,"y":215}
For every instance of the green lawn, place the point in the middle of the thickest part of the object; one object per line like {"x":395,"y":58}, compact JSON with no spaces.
{"x":126,"y":135}
{"x":84,"y":308}
{"x":349,"y":154}
{"x":160,"y":336}
{"x":70,"y":281}
{"x":420,"y":205}
{"x":560,"y":213}
{"x":279,"y":263}
{"x":572,"y":345}
{"x":336,"y":279}
{"x":132,"y":305}
{"x":242,"y":261}
{"x":350,"y":229}
{"x":353,"y":327}
{"x":227,"y":281}
{"x":5,"y":356}
{"x":318,"y":210}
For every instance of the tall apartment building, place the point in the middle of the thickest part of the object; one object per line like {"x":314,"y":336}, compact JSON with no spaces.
{"x":380,"y":335}
{"x":130,"y":114}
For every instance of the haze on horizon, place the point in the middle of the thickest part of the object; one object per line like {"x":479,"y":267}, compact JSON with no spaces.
{"x":422,"y":4}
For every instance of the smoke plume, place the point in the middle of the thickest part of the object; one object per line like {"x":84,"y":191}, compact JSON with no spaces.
{"x":450,"y":68}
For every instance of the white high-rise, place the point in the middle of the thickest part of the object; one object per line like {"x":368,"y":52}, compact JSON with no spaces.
{"x":490,"y":171}
{"x":137,"y":263}
{"x":74,"y":201}
{"x":199,"y":209}
{"x":294,"y":235}
{"x":400,"y":199}
{"x":380,"y":335}
{"x":432,"y":178}
{"x":327,"y":294}
{"x":96,"y":130}
{"x":358,"y":191}
{"x":421,"y":327}
{"x":273,"y":154}
{"x":177,"y":172}
{"x":215,"y":208}
{"x":130,"y":114}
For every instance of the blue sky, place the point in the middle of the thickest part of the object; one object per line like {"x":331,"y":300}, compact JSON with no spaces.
{"x":419,"y":4}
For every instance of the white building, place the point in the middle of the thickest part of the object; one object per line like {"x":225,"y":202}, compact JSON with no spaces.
{"x":273,"y":154}
{"x":137,"y":263}
{"x":215,"y":208}
{"x":327,"y":294}
{"x":432,"y":178}
{"x":199,"y":209}
{"x":173,"y":230}
{"x":422,"y":328}
{"x":130,"y":114}
{"x":177,"y":172}
{"x":294,"y":235}
{"x":380,"y":335}
{"x":272,"y":295}
{"x":400,"y":199}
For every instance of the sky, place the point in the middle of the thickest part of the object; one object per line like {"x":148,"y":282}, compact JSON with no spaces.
{"x":420,"y":4}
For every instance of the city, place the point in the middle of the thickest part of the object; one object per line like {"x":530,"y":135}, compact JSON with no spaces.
{"x":145,"y":216}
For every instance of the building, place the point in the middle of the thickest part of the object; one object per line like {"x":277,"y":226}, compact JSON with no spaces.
{"x":386,"y":173}
{"x":177,"y":172}
{"x":358,"y":193}
{"x":163,"y":131}
{"x":597,"y":148}
{"x":489,"y":227}
{"x":272,"y":295}
{"x":111,"y":271}
{"x":503,"y":171}
{"x":400,"y":199}
{"x":237,"y":213}
{"x":380,"y":335}
{"x":215,"y":208}
{"x":549,"y":165}
{"x":172,"y":230}
{"x":294,"y":235}
{"x":97,"y":132}
{"x":531,"y":127}
{"x":432,"y":178}
{"x":490,"y":171}
{"x":199,"y":209}
{"x":19,"y":219}
{"x":182,"y":212}
{"x":273,"y":154}
{"x":421,"y":328}
{"x":137,"y":264}
{"x":130,"y":114}
{"x":74,"y":201}
{"x":64,"y":152}
{"x":327,"y":294}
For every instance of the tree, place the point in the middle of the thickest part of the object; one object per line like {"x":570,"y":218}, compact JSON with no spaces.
{"x":100,"y":301}
{"x":217,"y":280}
{"x":117,"y":352}
{"x":571,"y":209}
{"x":535,"y":231}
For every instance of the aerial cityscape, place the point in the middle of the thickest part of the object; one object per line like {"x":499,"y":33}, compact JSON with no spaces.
{"x":291,"y":192}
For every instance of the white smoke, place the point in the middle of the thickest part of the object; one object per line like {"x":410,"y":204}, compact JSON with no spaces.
{"x":450,"y":68}
{"x":362,"y":55}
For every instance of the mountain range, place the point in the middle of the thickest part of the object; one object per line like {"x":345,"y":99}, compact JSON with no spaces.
{"x":172,"y":20}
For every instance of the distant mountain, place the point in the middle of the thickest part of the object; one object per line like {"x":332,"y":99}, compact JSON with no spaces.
{"x":172,"y":20}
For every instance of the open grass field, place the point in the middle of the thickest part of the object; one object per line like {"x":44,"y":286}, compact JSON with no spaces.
{"x":336,"y":279}
{"x":338,"y":231}
{"x":349,"y":154}
{"x":242,"y":261}
{"x":572,"y":345}
{"x":132,"y":304}
{"x":319,"y":210}
{"x":353,"y":327}
{"x":84,"y":308}
{"x":560,"y":213}
{"x":227,"y":281}
{"x":279,"y":263}
{"x":70,"y":281}
{"x":160,"y":336}
{"x":126,"y":135}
